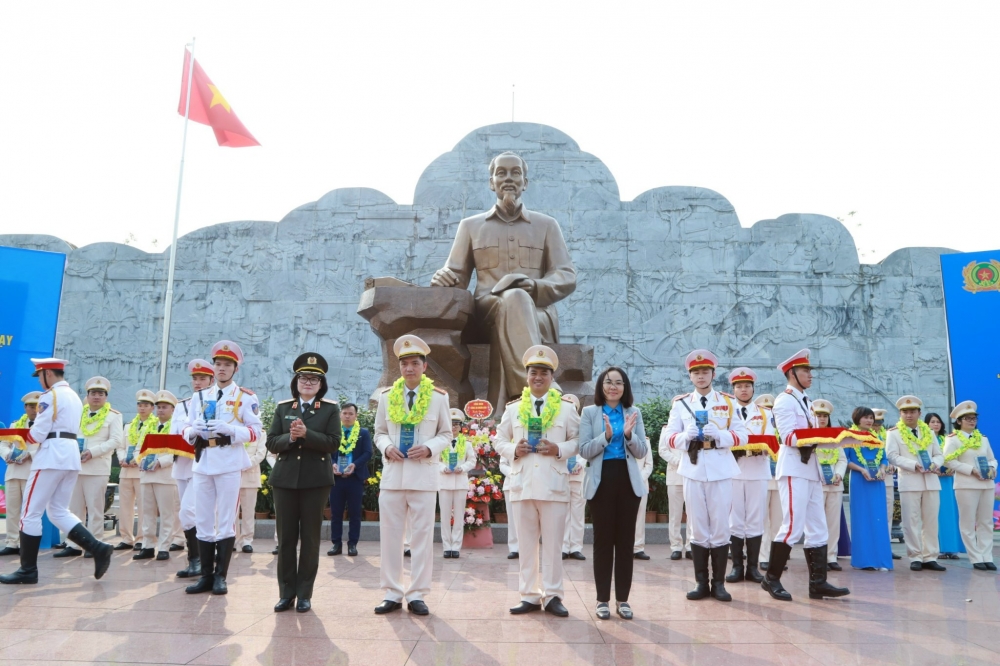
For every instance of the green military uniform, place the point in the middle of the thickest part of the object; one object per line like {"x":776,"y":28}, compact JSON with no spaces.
{"x":301,"y":479}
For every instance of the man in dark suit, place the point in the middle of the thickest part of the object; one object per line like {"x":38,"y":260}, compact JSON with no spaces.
{"x":350,"y":467}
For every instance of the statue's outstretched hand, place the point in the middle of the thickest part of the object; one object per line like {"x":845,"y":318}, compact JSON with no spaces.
{"x":444,"y":277}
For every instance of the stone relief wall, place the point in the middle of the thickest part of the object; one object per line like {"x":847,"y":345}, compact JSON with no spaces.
{"x":667,"y":272}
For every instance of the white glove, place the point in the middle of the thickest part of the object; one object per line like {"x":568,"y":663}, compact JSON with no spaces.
{"x":712,"y":430}
{"x":691,"y":432}
{"x":200,"y":429}
{"x":221,"y":428}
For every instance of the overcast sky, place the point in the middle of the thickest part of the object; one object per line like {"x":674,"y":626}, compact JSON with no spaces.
{"x":888,"y":109}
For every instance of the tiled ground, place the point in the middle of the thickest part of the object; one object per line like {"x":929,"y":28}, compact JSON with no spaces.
{"x":139,"y":613}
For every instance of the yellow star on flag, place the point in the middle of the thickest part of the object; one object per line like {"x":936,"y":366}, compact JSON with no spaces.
{"x":218,"y":99}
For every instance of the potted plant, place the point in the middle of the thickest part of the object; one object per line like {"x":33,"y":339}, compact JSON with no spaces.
{"x":369,"y":501}
{"x":265,"y":498}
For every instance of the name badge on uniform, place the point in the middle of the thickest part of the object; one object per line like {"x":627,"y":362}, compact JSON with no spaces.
{"x":827,"y":473}
{"x":407,"y":434}
{"x":534,"y":432}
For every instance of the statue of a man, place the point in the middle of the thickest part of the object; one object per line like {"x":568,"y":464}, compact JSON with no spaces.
{"x":522,"y":269}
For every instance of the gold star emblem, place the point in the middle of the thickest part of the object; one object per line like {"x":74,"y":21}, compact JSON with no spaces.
{"x":541,"y":353}
{"x":225,"y":347}
{"x":406,"y":343}
{"x":311,"y":360}
{"x":699,"y":357}
{"x":218,"y":99}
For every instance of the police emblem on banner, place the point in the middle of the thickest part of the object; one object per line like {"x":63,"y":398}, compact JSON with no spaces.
{"x":982,"y":276}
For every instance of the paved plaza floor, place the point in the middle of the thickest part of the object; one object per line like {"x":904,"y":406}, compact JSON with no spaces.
{"x":139,"y":613}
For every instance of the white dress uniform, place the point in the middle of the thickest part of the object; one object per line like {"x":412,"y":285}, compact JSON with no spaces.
{"x":453,"y":491}
{"x":746,"y":520}
{"x":974,"y":496}
{"x":833,"y":502}
{"x":16,"y":477}
{"x":182,"y":471}
{"x":159,"y":498}
{"x":129,"y":491}
{"x":919,"y":492}
{"x":573,"y":534}
{"x":407,"y":495}
{"x":679,"y":543}
{"x":511,"y":525}
{"x":646,"y":470}
{"x":249,"y":485}
{"x":772,"y":513}
{"x":540,"y":494}
{"x":92,"y":484}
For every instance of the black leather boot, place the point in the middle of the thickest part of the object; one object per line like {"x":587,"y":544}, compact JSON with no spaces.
{"x":736,"y":548}
{"x":718,"y":555}
{"x":772,"y":580}
{"x":225,"y":553}
{"x":27,"y":573}
{"x":753,"y":552}
{"x":818,"y":587}
{"x":101,"y":551}
{"x":194,"y":556}
{"x":700,"y":557}
{"x":206,"y":554}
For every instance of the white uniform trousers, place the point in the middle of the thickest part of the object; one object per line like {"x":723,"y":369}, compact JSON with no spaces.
{"x":802,"y":512}
{"x":185,"y":491}
{"x":452,"y":503}
{"x":675,"y":505}
{"x":397,"y":509}
{"x":48,"y":491}
{"x":573,"y":534}
{"x":245,"y":519}
{"x":177,"y":537}
{"x":14,"y":491}
{"x":890,"y":504}
{"x":640,"y":526}
{"x":128,"y":496}
{"x":88,"y":500}
{"x":772,"y":523}
{"x":511,"y":524}
{"x":545,"y":519}
{"x":746,"y":518}
{"x":216,"y":498}
{"x":158,"y":499}
{"x":708,"y":504}
{"x":919,"y":511}
{"x":833,"y":502}
{"x":975,"y":522}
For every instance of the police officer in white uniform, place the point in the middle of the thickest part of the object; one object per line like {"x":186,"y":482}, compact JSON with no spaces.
{"x":772,"y":515}
{"x":220,"y":457}
{"x":157,"y":487}
{"x":182,"y":471}
{"x":55,"y":464}
{"x":18,"y":467}
{"x":250,"y":484}
{"x":680,"y":541}
{"x":646,"y":470}
{"x":539,"y":479}
{"x":412,"y":428}
{"x":800,"y":485}
{"x":512,"y":553}
{"x":746,"y":518}
{"x":708,"y":468}
{"x":573,"y":536}
{"x":833,"y":492}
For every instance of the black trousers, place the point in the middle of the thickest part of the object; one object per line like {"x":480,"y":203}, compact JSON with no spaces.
{"x":614,"y":509}
{"x":298,"y":516}
{"x":348,"y":491}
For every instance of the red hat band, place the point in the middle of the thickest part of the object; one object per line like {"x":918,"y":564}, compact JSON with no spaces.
{"x":795,"y":363}
{"x":50,"y":366}
{"x":231,"y":355}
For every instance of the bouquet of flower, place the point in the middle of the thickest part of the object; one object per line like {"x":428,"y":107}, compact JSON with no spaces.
{"x":474,"y":519}
{"x":369,"y":501}
{"x":485,"y":488}
{"x":265,"y":498}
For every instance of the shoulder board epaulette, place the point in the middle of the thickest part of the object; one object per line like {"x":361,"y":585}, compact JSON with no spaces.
{"x":728,"y":395}
{"x":184,"y":400}
{"x":680,"y":397}
{"x":285,"y":402}
{"x":386,"y":389}
{"x":246,"y":390}
{"x":440,"y":390}
{"x":951,"y":434}
{"x":114,"y":411}
{"x":329,"y":402}
{"x":566,"y":398}
{"x":514,"y":400}
{"x":891,"y":429}
{"x":788,"y":391}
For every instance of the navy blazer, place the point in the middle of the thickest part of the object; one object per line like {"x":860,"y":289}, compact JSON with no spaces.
{"x":362,"y":454}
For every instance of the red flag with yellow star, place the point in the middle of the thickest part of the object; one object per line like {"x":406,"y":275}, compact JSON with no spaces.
{"x":209,"y":107}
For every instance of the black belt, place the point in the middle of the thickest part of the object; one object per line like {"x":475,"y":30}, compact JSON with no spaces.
{"x":61,"y":435}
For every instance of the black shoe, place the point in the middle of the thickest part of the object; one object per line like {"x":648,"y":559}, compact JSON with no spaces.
{"x":556,"y":607}
{"x":447,"y":554}
{"x":525,"y":607}
{"x":736,"y":549}
{"x":174,"y":547}
{"x":406,"y":553}
{"x":206,"y":556}
{"x":833,"y":566}
{"x":27,"y":573}
{"x":772,"y":581}
{"x":387,"y":607}
{"x":455,"y":554}
{"x":225,"y":550}
{"x":100,"y":550}
{"x":60,"y":545}
{"x":980,"y":566}
{"x":123,"y":546}
{"x":163,"y":555}
{"x":513,"y":556}
{"x":137,"y":546}
{"x":990,"y":566}
{"x":933,"y":565}
{"x":145,"y":554}
{"x":916,"y":566}
{"x":337,"y":549}
{"x":194,"y":562}
{"x":676,"y":555}
{"x":718,"y":557}
{"x":418,"y":607}
{"x":753,"y":553}
{"x":565,"y":556}
{"x":283,"y":605}
{"x":9,"y":550}
{"x":700,"y":556}
{"x":763,"y":566}
{"x":896,"y":557}
{"x":688,"y":555}
{"x":275,"y":551}
{"x":641,"y":555}
{"x":818,"y":587}
{"x":304,"y":606}
{"x":352,"y":550}
{"x":577,"y":555}
{"x":68,"y":551}
{"x":89,"y":556}
{"x":248,"y":548}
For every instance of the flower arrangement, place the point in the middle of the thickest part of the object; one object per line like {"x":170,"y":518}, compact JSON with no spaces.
{"x":474,"y":520}
{"x":485,"y":488}
{"x":369,"y":501}
{"x":265,"y":498}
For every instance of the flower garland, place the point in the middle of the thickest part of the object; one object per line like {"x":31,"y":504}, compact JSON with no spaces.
{"x":349,"y":441}
{"x":926,"y":437}
{"x":828,"y":457}
{"x":878,"y":456}
{"x":89,"y":425}
{"x":137,"y":426}
{"x":397,"y":409}
{"x":880,"y":432}
{"x":553,"y":405}
{"x":968,"y":443}
{"x":459,"y":449}
{"x":20,"y":424}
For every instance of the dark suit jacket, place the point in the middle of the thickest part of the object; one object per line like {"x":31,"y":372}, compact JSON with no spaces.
{"x":304,"y":463}
{"x":362,"y":454}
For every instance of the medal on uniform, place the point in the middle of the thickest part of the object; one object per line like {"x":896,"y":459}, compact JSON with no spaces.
{"x":534,"y":432}
{"x":827,"y":473}
{"x":407,"y":434}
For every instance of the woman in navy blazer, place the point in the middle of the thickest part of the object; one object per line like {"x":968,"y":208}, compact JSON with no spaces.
{"x":613,"y":439}
{"x":349,"y":487}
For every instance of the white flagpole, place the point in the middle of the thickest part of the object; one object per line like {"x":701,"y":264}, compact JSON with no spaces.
{"x":169,"y":300}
